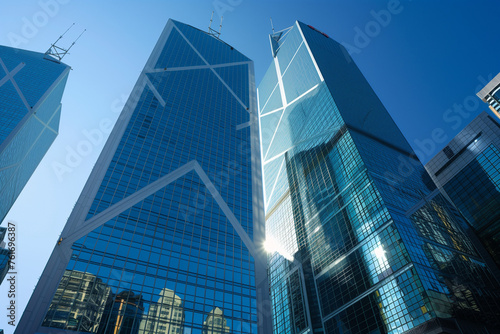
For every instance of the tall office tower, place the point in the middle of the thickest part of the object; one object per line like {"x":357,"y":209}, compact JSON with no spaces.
{"x":170,"y":220}
{"x":360,"y":239}
{"x":467,"y":171}
{"x":491,"y":95}
{"x":31,"y":88}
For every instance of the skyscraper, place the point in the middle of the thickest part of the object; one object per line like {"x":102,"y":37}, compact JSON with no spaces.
{"x":491,"y":94}
{"x":467,"y":171}
{"x":171,"y":213}
{"x":31,"y":88}
{"x":360,"y":239}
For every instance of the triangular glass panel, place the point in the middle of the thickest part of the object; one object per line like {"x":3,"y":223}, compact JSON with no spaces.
{"x":306,"y":118}
{"x":54,"y":122}
{"x":46,"y":109}
{"x":36,"y":75}
{"x":174,"y":128}
{"x":12,"y":104}
{"x":301,"y":63}
{"x":178,"y":53}
{"x":267,"y":85}
{"x":236,"y":77}
{"x":164,"y":250}
{"x":214,"y":50}
{"x":271,"y":170}
{"x":278,"y":38}
{"x":280,"y":187}
{"x":274,"y":101}
{"x":268,"y":125}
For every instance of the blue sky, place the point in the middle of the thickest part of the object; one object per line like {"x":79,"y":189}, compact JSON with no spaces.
{"x":425,"y":60}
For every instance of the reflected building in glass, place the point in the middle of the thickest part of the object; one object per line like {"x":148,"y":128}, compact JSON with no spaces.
{"x":171,"y":218}
{"x":467,"y":171}
{"x":165,"y":316}
{"x":215,"y":323}
{"x":360,"y":239}
{"x":31,"y":88}
{"x":122,"y":314}
{"x":80,"y":298}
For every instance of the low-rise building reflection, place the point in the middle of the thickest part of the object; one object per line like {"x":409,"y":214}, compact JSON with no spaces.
{"x":165,"y":316}
{"x":215,"y":323}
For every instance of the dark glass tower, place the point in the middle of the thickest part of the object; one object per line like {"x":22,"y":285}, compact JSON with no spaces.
{"x":491,"y":95}
{"x":360,"y":239}
{"x":164,"y":228}
{"x":467,"y":171}
{"x":31,"y":88}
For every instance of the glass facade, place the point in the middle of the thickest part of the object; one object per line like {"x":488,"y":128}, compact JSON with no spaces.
{"x":31,"y":89}
{"x":491,"y":95}
{"x":471,"y":179}
{"x":475,"y":191}
{"x":359,"y":239}
{"x":162,"y":239}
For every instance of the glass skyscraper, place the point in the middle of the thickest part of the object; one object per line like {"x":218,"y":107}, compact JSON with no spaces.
{"x":491,"y":95}
{"x":467,"y":171}
{"x":360,"y":239}
{"x":31,"y":88}
{"x":167,"y":235}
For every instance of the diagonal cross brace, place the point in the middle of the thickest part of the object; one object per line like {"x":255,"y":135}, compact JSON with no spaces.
{"x":128,"y":202}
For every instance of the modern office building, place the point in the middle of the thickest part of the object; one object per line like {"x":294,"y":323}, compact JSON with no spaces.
{"x":171,"y":213}
{"x":31,"y":88}
{"x":361,"y":241}
{"x":491,"y":95}
{"x":467,"y":171}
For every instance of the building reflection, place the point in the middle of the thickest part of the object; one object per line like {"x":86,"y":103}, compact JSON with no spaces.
{"x":78,"y":303}
{"x":123,"y":314}
{"x":330,"y":225}
{"x":215,"y":323}
{"x":164,"y":316}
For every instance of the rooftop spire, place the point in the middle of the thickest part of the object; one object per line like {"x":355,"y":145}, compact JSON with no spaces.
{"x":57,"y":53}
{"x":213,"y":32}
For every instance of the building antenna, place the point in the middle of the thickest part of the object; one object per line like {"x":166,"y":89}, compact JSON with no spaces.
{"x":272,"y":27}
{"x":220,"y":26}
{"x":210,"y":24}
{"x":56,"y":53}
{"x":214,"y":32}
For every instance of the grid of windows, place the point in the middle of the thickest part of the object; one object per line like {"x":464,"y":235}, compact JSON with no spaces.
{"x":173,"y":262}
{"x":350,"y":207}
{"x":395,"y":307}
{"x":150,"y":247}
{"x":475,"y":190}
{"x":26,"y":131}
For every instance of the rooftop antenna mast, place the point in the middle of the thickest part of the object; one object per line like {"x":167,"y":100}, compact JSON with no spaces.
{"x":56,"y":53}
{"x":214,"y":32}
{"x":272,"y":26}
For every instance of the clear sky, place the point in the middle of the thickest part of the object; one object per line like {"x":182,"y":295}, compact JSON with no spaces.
{"x":425,"y":60}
